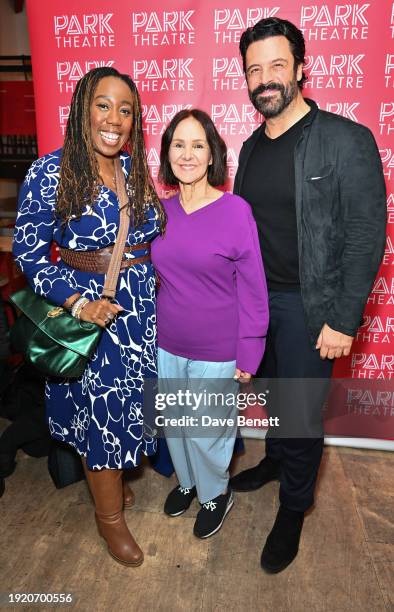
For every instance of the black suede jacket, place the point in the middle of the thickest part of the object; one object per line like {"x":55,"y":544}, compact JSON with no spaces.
{"x":341,"y":217}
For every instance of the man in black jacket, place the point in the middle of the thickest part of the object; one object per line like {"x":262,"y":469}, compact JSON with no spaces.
{"x":316,"y":187}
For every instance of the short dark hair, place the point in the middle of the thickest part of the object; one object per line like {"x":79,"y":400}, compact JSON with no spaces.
{"x":217,"y":170}
{"x":274,"y":26}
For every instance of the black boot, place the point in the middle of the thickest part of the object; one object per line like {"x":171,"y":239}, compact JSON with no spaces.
{"x":256,"y":477}
{"x":7,"y":464}
{"x":281,"y":546}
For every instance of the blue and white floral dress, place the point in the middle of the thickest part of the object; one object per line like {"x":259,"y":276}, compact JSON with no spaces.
{"x":100,"y":413}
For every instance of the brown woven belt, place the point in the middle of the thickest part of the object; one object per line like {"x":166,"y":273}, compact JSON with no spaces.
{"x":97,"y":262}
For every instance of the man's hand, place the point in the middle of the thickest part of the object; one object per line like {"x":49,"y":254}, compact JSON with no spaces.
{"x":333,"y":344}
{"x":241,"y":376}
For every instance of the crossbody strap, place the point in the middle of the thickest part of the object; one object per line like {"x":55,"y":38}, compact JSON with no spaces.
{"x":112,"y":275}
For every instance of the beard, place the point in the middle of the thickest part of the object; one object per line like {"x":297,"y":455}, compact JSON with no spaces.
{"x":272,"y":106}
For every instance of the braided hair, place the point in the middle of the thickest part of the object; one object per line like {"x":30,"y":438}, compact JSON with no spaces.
{"x":79,"y":181}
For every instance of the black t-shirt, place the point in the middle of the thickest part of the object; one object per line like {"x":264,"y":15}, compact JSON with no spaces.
{"x":269,"y":187}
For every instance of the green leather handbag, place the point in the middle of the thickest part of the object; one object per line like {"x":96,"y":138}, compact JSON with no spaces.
{"x":54,"y":341}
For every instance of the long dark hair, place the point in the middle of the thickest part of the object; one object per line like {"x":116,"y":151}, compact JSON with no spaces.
{"x":79,"y":182}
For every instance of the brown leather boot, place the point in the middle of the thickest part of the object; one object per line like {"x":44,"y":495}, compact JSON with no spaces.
{"x":107,"y":491}
{"x":128,"y":496}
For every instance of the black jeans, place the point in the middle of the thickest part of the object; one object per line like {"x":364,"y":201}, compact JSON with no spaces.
{"x":290,"y":355}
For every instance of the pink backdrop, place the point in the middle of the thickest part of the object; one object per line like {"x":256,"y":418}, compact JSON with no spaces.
{"x":185,"y":53}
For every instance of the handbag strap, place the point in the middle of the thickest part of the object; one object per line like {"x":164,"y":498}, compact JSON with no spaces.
{"x":111,"y":278}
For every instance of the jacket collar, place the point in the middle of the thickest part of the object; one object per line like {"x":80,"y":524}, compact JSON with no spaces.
{"x":313,"y":112}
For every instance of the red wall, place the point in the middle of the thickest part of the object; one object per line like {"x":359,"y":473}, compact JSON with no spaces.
{"x":186,"y":53}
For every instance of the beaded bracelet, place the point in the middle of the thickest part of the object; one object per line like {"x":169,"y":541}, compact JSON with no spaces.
{"x":76,"y":307}
{"x":81,"y":307}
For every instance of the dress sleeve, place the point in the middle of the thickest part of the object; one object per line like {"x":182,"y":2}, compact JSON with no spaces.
{"x":33,"y":234}
{"x":252,"y":298}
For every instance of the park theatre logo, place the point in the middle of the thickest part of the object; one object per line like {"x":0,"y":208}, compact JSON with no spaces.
{"x":377,"y":400}
{"x":84,"y":31}
{"x":372,"y":365}
{"x":170,"y":74}
{"x":342,"y":71}
{"x":387,"y":156}
{"x":346,"y":109}
{"x":69,"y":73}
{"x":386,"y":118}
{"x":335,"y":21}
{"x":382,"y":293}
{"x":392,"y":21}
{"x":157,"y":117}
{"x":230,"y":23}
{"x":376,"y":330}
{"x":158,"y":29}
{"x":389,"y":70}
{"x":227,"y":74}
{"x":235,"y":119}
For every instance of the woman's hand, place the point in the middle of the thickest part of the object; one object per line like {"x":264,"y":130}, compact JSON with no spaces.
{"x":100,"y":312}
{"x":241,"y":376}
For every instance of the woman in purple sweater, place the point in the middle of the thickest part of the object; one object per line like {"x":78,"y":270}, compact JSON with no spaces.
{"x":212,"y":313}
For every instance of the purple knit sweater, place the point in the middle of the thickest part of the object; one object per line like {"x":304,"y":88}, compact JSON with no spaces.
{"x":212,"y":303}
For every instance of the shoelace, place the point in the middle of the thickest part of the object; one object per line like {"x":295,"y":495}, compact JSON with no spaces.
{"x":210,"y":505}
{"x":184,"y":490}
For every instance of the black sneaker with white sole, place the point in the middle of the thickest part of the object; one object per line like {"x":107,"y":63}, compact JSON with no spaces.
{"x":179,"y":500}
{"x":212,"y":514}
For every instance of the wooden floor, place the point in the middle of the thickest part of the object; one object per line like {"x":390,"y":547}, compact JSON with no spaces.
{"x":346,"y":560}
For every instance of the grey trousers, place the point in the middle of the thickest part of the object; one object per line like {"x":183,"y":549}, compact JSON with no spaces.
{"x":201,"y":453}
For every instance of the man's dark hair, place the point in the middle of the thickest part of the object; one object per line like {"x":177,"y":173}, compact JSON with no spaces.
{"x":217,"y":170}
{"x":274,"y":26}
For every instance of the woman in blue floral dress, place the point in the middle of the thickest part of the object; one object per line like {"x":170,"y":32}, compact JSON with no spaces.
{"x":69,"y":196}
